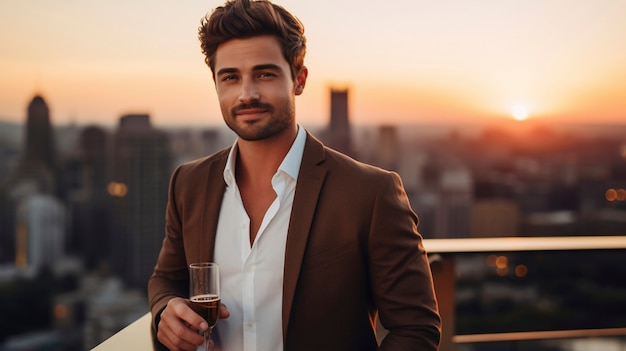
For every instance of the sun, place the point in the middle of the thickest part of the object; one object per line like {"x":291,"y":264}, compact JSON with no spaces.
{"x":520,"y":112}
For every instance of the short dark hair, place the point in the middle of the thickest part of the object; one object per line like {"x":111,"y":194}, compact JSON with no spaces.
{"x":241,"y":19}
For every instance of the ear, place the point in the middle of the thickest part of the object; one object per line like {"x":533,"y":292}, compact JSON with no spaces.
{"x":300,"y":80}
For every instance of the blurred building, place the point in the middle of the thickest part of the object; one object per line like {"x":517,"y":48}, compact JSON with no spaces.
{"x":338,"y":135}
{"x":40,"y":235}
{"x":34,"y":176}
{"x":494,"y":217}
{"x":387,"y":149}
{"x":139,"y":183}
{"x":9,"y":154}
{"x":443,"y":199}
{"x":39,"y":161}
{"x":86,"y":175}
{"x":454,"y":211}
{"x":215,"y":139}
{"x":188,"y":144}
{"x":36,"y":166}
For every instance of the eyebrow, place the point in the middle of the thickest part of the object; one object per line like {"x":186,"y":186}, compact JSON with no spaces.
{"x":266,"y":66}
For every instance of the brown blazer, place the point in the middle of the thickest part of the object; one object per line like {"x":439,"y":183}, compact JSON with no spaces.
{"x":353,"y":251}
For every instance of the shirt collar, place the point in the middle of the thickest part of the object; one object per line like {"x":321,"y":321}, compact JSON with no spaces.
{"x":290,"y":165}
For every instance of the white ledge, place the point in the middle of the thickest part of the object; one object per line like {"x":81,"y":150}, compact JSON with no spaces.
{"x":135,"y":336}
{"x":558,"y":243}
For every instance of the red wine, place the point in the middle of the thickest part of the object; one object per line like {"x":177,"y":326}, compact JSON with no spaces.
{"x":207,"y":306}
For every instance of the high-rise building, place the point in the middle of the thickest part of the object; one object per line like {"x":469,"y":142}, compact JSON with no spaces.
{"x":39,"y":137}
{"x":140,"y":178}
{"x":338,"y":135}
{"x":86,"y":175}
{"x":36,"y":170}
{"x":35,"y":175}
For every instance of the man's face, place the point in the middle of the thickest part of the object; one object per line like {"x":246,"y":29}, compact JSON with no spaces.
{"x":255,"y":88}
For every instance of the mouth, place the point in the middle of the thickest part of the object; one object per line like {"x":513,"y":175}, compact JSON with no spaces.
{"x":250,"y":115}
{"x":251,"y":112}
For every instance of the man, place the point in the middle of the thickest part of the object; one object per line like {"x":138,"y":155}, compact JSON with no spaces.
{"x":312,"y":245}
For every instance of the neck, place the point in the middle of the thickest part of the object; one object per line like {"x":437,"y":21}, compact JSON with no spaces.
{"x":260,"y":159}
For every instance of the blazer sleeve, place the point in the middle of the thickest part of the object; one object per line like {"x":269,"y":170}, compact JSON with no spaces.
{"x":169,"y":278}
{"x":400,"y":273}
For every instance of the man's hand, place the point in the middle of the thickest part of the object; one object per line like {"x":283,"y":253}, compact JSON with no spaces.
{"x":179,"y":326}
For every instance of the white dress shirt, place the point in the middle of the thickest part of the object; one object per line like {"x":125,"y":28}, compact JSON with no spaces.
{"x":252,"y":276}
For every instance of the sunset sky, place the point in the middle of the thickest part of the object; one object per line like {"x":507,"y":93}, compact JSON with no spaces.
{"x":405,"y":61}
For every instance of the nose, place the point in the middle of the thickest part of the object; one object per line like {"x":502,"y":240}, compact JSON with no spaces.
{"x":249,"y":91}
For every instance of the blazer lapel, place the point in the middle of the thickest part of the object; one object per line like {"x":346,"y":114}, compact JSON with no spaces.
{"x":310,"y":180}
{"x":212,"y":204}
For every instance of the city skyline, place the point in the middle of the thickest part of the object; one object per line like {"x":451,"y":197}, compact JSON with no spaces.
{"x":418,"y":62}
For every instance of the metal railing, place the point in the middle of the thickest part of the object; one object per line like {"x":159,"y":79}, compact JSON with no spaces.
{"x":442,"y":253}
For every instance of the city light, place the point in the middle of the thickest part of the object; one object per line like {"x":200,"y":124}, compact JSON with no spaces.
{"x":502,"y":271}
{"x":117,"y":189}
{"x":521,"y":270}
{"x":502,"y":262}
{"x":491,"y":260}
{"x":60,"y":311}
{"x":502,"y":266}
{"x":612,"y":195}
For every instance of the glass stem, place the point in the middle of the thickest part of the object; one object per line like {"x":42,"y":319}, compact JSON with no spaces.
{"x":207,"y":339}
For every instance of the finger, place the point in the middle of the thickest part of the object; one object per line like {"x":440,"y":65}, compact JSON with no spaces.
{"x":174,"y":331}
{"x":224,"y":313}
{"x":183,"y":311}
{"x":177,"y":336}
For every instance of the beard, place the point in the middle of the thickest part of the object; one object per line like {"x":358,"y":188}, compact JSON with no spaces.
{"x":280,"y":118}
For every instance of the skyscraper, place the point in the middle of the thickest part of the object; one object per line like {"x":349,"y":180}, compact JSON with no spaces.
{"x":35,"y":176}
{"x":39,"y":138}
{"x":36,"y":170}
{"x":338,"y":135}
{"x":141,"y":169}
{"x":85,"y":177}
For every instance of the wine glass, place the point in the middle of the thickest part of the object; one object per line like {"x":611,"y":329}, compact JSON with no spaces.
{"x":204,"y":292}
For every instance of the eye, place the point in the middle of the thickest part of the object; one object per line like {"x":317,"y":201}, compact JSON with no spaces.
{"x":266,"y":75}
{"x":228,"y":77}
